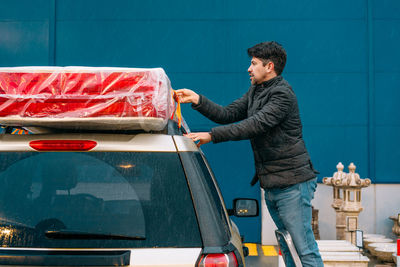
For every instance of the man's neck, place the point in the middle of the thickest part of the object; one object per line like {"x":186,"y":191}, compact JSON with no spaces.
{"x":268,"y":78}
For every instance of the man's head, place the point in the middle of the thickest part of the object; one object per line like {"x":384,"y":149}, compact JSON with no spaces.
{"x":268,"y":60}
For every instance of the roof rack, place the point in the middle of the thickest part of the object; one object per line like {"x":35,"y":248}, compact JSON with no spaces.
{"x":172,"y":128}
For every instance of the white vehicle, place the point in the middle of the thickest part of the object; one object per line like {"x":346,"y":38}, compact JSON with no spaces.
{"x":127,"y":198}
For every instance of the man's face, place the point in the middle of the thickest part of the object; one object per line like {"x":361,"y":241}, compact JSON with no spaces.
{"x":258,"y":72}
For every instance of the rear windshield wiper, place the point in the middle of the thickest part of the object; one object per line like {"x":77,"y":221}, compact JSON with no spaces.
{"x":65,"y":234}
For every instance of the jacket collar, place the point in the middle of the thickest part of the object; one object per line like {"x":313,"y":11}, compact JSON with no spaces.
{"x":270,"y":82}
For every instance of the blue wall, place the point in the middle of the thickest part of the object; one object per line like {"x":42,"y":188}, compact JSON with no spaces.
{"x":343,"y":63}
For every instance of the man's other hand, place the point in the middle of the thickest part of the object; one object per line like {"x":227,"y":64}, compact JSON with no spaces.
{"x":187,"y":96}
{"x":202,"y":137}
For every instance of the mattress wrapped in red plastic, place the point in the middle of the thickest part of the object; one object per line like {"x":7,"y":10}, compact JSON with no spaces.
{"x":85,"y":97}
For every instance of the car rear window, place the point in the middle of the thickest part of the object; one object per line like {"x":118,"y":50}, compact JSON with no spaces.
{"x":95,"y":199}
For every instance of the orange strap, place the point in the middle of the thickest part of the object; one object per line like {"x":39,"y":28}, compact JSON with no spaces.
{"x":178,"y":111}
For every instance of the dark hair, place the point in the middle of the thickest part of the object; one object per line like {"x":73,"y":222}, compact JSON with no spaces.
{"x":270,"y":51}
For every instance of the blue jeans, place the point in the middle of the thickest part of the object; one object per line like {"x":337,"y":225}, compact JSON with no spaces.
{"x":290,"y":208}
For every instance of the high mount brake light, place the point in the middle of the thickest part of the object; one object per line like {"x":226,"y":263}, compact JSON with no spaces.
{"x":218,"y":260}
{"x":62,"y":145}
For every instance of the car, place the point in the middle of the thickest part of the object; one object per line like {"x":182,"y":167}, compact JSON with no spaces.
{"x":114,"y":198}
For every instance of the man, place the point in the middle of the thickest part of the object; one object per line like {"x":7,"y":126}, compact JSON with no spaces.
{"x":268,"y":115}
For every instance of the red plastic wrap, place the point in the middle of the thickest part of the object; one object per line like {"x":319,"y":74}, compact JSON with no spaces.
{"x":86,"y":98}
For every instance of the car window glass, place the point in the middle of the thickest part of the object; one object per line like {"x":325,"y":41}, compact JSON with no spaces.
{"x":119,"y":193}
{"x":218,"y":191}
{"x":213,"y":190}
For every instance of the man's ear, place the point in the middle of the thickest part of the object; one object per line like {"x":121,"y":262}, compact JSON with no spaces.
{"x":270,"y":66}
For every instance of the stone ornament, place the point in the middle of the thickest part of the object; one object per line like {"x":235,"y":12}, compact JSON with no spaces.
{"x":346,"y":200}
{"x":336,"y":180}
{"x":396,"y":226}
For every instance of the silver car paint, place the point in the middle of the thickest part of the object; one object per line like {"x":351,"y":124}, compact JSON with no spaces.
{"x":105,"y":142}
{"x":160,"y":257}
{"x":146,"y":257}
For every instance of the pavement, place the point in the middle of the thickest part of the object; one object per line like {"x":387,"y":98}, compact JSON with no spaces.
{"x":260,"y":255}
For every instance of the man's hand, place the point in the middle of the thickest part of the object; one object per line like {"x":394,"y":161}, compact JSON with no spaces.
{"x":203,"y":138}
{"x":187,"y":96}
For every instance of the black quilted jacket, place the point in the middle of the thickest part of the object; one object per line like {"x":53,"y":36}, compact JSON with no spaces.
{"x":268,"y":115}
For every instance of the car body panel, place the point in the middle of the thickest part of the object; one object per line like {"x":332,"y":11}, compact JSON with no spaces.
{"x":154,"y":257}
{"x":184,"y":144}
{"x":218,"y":233}
{"x":165,"y":257}
{"x":105,"y":142}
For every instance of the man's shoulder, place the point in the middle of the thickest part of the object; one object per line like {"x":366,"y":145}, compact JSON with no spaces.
{"x":283,"y":84}
{"x":284,"y":90}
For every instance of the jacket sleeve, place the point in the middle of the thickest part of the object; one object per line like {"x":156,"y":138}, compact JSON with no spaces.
{"x":271,"y":114}
{"x":234,"y":112}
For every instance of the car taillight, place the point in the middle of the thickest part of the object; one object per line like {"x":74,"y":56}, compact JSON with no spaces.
{"x":62,"y":145}
{"x":218,"y":260}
